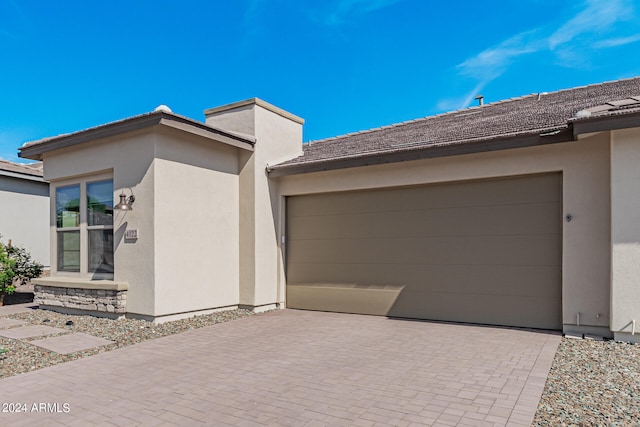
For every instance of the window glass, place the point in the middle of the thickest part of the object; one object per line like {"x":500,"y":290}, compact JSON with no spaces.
{"x":100,"y":203}
{"x":69,"y":250}
{"x":101,"y":251}
{"x":68,"y":206}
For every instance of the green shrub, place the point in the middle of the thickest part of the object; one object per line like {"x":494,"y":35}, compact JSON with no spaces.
{"x":7,"y":272}
{"x":25,"y":268}
{"x":16,"y":266}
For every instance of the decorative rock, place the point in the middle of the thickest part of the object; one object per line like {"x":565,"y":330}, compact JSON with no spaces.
{"x":592,"y":383}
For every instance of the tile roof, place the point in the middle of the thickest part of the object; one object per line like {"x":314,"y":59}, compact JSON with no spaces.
{"x":34,"y":149}
{"x":533,"y":114}
{"x":32,"y":169}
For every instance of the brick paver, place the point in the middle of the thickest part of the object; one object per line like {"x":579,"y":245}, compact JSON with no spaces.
{"x":300,"y":368}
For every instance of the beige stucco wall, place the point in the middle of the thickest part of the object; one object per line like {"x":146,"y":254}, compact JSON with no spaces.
{"x":24,"y":217}
{"x":129,"y":159}
{"x":625,"y":231}
{"x":278,"y":137}
{"x":186,"y":213}
{"x":585,"y":168}
{"x":281,"y":141}
{"x":196,"y":225}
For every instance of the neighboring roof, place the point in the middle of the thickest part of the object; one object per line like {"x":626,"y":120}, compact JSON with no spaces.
{"x":30,"y":171}
{"x":35,"y":149}
{"x":525,"y":121}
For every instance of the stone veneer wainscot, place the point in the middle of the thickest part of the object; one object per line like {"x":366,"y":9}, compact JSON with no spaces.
{"x":98,"y":297}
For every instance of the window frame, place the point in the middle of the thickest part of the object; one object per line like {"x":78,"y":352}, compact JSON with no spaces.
{"x":67,"y":229}
{"x":84,"y":228}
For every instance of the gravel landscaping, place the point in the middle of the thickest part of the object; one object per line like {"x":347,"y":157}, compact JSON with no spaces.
{"x":591,"y":383}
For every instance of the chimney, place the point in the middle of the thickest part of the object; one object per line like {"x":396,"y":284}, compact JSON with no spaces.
{"x":480,"y":99}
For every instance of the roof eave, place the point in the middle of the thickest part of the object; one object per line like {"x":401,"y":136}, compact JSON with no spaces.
{"x":36,"y":150}
{"x":553,"y":136}
{"x":18,"y":175}
{"x":605,"y":123}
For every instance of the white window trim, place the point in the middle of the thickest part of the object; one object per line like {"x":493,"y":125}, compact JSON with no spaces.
{"x":84,"y":235}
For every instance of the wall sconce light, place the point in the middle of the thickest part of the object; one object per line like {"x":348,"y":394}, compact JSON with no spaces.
{"x":125,"y":203}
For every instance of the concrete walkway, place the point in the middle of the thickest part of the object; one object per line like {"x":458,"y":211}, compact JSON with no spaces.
{"x":62,"y":344}
{"x":7,"y":310}
{"x":298,"y":368}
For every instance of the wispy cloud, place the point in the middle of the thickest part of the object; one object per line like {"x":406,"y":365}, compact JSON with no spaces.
{"x":597,"y":17}
{"x":570,"y":43}
{"x":616,"y":42}
{"x":342,"y":11}
{"x":492,"y":62}
{"x":450,"y":104}
{"x":573,"y":42}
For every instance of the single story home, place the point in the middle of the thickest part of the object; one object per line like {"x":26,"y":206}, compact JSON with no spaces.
{"x":522,"y":212}
{"x":24,"y":216}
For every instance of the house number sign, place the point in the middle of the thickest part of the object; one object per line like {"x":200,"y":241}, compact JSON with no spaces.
{"x":131,"y":234}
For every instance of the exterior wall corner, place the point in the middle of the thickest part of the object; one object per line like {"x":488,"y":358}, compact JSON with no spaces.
{"x":625,"y":231}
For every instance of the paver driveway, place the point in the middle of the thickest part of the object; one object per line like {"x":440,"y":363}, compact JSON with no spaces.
{"x":298,"y":368}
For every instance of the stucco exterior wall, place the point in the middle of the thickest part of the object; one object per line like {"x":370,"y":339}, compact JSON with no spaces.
{"x":586,"y":176}
{"x":247,"y":235}
{"x":625,"y":232}
{"x":278,"y":137}
{"x":281,"y":140}
{"x":196,"y":225}
{"x":129,"y":159}
{"x":186,"y":211}
{"x":24,"y":216}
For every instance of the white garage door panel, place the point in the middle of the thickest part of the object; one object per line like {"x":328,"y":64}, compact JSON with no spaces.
{"x":482,"y":251}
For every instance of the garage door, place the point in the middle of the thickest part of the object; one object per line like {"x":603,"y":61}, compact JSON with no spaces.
{"x":477,"y":251}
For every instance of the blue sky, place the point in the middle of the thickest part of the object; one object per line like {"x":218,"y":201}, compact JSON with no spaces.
{"x":342,"y":65}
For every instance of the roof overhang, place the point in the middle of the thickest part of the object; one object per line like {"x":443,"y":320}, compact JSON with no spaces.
{"x":36,"y":149}
{"x":24,"y":176}
{"x":550,"y":136}
{"x":605,"y":123}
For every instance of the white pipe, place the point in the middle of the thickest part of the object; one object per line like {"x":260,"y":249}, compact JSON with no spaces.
{"x":577,"y":319}
{"x":633,"y":327}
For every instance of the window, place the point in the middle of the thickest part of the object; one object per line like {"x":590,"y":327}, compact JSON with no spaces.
{"x":68,"y":224}
{"x":100,"y":226}
{"x":84,"y":227}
